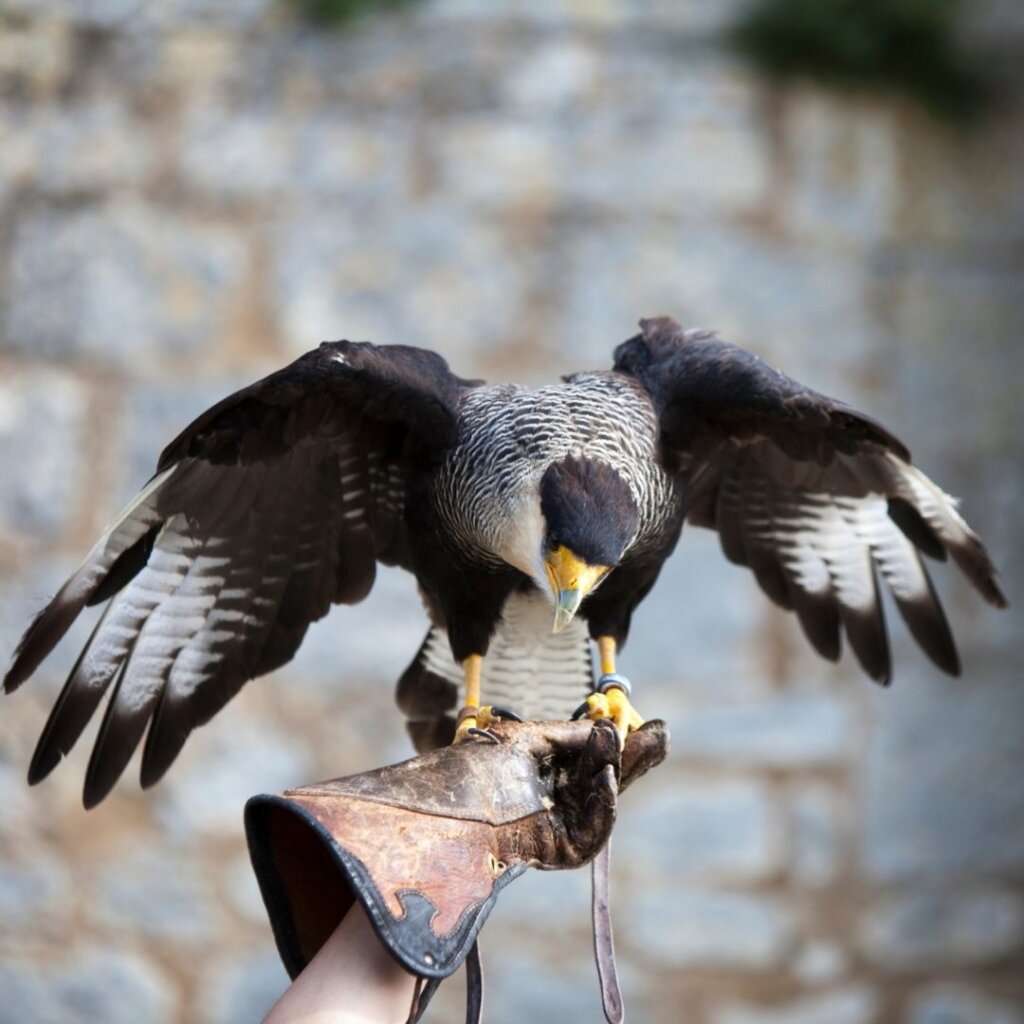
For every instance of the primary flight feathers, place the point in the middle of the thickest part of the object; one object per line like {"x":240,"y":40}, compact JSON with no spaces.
{"x":281,"y":499}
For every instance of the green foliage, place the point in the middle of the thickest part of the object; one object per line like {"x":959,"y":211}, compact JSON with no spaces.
{"x":338,"y":13}
{"x":905,"y":45}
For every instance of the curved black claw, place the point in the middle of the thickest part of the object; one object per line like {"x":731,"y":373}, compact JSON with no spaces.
{"x":484,"y":734}
{"x":580,"y":711}
{"x":504,"y":713}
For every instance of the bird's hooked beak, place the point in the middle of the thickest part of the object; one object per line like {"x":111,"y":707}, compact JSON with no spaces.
{"x":571,"y":580}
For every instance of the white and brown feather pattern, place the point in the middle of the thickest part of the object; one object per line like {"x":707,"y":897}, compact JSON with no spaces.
{"x":818,"y":538}
{"x":245,"y":559}
{"x":272,"y":506}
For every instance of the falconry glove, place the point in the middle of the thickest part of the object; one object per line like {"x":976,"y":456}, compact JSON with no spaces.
{"x":425,"y":846}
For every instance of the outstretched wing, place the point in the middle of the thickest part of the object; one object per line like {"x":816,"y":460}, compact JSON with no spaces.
{"x":816,"y":498}
{"x":271,"y":506}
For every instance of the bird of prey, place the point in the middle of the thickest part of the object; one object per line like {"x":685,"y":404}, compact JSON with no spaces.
{"x":534,"y":520}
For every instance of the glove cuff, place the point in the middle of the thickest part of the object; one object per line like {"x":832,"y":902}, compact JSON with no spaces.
{"x":305,"y":850}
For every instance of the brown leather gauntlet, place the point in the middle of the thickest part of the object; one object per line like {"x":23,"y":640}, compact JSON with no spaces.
{"x":427,"y":845}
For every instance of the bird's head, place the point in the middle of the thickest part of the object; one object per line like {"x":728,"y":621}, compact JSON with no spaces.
{"x":590,"y":517}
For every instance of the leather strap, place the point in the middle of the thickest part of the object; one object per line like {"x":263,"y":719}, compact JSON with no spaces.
{"x":425,"y":989}
{"x":420,"y":998}
{"x":604,"y":946}
{"x":474,"y":986}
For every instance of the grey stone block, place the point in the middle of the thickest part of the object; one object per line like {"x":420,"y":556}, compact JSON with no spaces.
{"x":526,"y":986}
{"x":941,"y":928}
{"x":236,"y":153}
{"x":236,"y":756}
{"x":693,"y":634}
{"x":241,"y":989}
{"x":115,"y":987}
{"x":271,"y":154}
{"x":945,"y":348}
{"x":14,"y":795}
{"x":564,"y":895}
{"x":19,"y":158}
{"x":513,"y":163}
{"x":843,"y":186}
{"x":558,"y":78}
{"x":156,"y":893}
{"x":27,"y":996}
{"x":682,"y":927}
{"x":942,"y":205}
{"x":703,"y":829}
{"x":369,"y":644}
{"x":675,"y":163}
{"x":952,"y":807}
{"x":338,"y":270}
{"x":103,"y":986}
{"x":818,"y":963}
{"x":32,"y":896}
{"x":854,"y":1005}
{"x":94,"y":147}
{"x":816,"y":835}
{"x":698,"y":17}
{"x":42,"y":414}
{"x":801,"y":308}
{"x":137,"y":14}
{"x":235,"y":14}
{"x":127,"y":285}
{"x":782,"y":731}
{"x":238,"y":883}
{"x":958,"y":1004}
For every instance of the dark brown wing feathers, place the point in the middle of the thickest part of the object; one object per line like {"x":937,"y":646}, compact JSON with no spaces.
{"x":271,"y":506}
{"x":704,"y":388}
{"x":819,"y":500}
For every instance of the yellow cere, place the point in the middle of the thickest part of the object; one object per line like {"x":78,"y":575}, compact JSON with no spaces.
{"x":567,"y":572}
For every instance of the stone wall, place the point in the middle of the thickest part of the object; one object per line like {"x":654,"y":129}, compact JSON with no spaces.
{"x":193,"y":192}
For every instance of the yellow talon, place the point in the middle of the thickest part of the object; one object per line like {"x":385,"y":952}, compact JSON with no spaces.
{"x":483,"y":719}
{"x":598,"y":707}
{"x":614,"y":704}
{"x":623,"y":714}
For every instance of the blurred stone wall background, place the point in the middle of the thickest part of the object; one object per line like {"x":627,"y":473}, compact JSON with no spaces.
{"x":194,"y":192}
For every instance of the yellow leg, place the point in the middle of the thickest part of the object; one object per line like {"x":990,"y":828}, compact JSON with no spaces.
{"x":472,"y":667}
{"x":472,"y":715}
{"x":614,"y":703}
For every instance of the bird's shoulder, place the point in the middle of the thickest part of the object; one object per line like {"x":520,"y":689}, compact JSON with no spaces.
{"x":585,"y":401}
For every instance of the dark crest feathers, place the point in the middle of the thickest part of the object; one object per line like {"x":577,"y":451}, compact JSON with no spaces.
{"x":589,"y":508}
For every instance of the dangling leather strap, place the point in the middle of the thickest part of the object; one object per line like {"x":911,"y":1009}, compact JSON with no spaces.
{"x":474,"y":986}
{"x":419,"y":1003}
{"x":604,"y":947}
{"x":426,"y":987}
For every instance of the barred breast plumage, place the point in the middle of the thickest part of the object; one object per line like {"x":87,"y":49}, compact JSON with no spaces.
{"x":509,"y":434}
